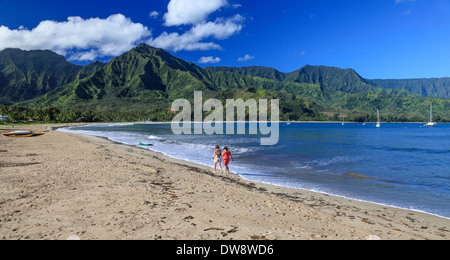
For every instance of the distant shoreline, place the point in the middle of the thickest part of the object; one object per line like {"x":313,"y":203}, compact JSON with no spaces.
{"x":141,"y":122}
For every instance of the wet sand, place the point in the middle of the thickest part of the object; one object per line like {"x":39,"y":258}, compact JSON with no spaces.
{"x":68,"y":186}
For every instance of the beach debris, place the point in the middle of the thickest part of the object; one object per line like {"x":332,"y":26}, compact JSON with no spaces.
{"x":258,"y":237}
{"x":173,"y":196}
{"x":365,"y":220}
{"x":3,"y":151}
{"x":214,"y":228}
{"x":188,"y":205}
{"x":233,"y":230}
{"x":151,"y":204}
{"x":188,"y":218}
{"x":6,"y":164}
{"x":73,"y":238}
{"x":373,"y":237}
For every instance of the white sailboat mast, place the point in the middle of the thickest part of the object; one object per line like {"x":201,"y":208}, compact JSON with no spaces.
{"x":431,"y":112}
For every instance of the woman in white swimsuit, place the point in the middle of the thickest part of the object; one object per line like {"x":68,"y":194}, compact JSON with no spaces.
{"x":217,"y":160}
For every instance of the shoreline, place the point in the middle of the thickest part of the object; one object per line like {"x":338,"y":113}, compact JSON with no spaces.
{"x":242,"y":178}
{"x":260,"y":183}
{"x":248,"y":209}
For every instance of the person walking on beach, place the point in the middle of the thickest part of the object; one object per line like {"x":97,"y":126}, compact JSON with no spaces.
{"x":226,"y":159}
{"x":217,"y":160}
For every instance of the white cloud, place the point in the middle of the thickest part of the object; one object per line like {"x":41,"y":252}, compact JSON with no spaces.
{"x":85,"y":56}
{"x":193,"y":39}
{"x":190,"y":12}
{"x":177,"y":42}
{"x":246,"y":58}
{"x":88,"y":39}
{"x":154,"y":14}
{"x":210,"y":59}
{"x":220,"y":29}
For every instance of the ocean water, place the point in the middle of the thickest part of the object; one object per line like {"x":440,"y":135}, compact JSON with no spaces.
{"x":400,"y":165}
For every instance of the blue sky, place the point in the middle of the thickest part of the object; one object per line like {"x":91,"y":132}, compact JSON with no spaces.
{"x":378,"y":38}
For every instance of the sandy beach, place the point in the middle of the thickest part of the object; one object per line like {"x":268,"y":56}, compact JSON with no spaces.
{"x":66,"y":186}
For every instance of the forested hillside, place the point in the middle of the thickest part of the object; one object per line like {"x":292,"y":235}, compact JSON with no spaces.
{"x":143,"y":82}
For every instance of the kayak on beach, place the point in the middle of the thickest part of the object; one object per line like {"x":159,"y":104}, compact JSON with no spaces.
{"x":22,"y":134}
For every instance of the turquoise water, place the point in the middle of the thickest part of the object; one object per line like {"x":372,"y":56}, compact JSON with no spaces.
{"x":400,"y":165}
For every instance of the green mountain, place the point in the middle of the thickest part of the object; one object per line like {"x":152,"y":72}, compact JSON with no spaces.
{"x":340,"y":92}
{"x":328,"y":78}
{"x":143,"y":82}
{"x":25,"y":75}
{"x":143,"y":77}
{"x":254,"y":71}
{"x":426,"y":87}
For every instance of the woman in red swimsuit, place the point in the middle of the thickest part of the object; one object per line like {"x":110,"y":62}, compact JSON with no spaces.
{"x":226,"y":155}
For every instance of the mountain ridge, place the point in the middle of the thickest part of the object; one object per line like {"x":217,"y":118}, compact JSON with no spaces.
{"x":27,"y":74}
{"x":17,"y":77}
{"x":429,"y":87}
{"x":148,"y":79}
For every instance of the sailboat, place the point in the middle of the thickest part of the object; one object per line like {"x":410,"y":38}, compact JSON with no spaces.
{"x":378,"y":116}
{"x":431,"y":123}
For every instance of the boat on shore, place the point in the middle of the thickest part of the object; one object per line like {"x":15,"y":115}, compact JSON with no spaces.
{"x":22,"y":134}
